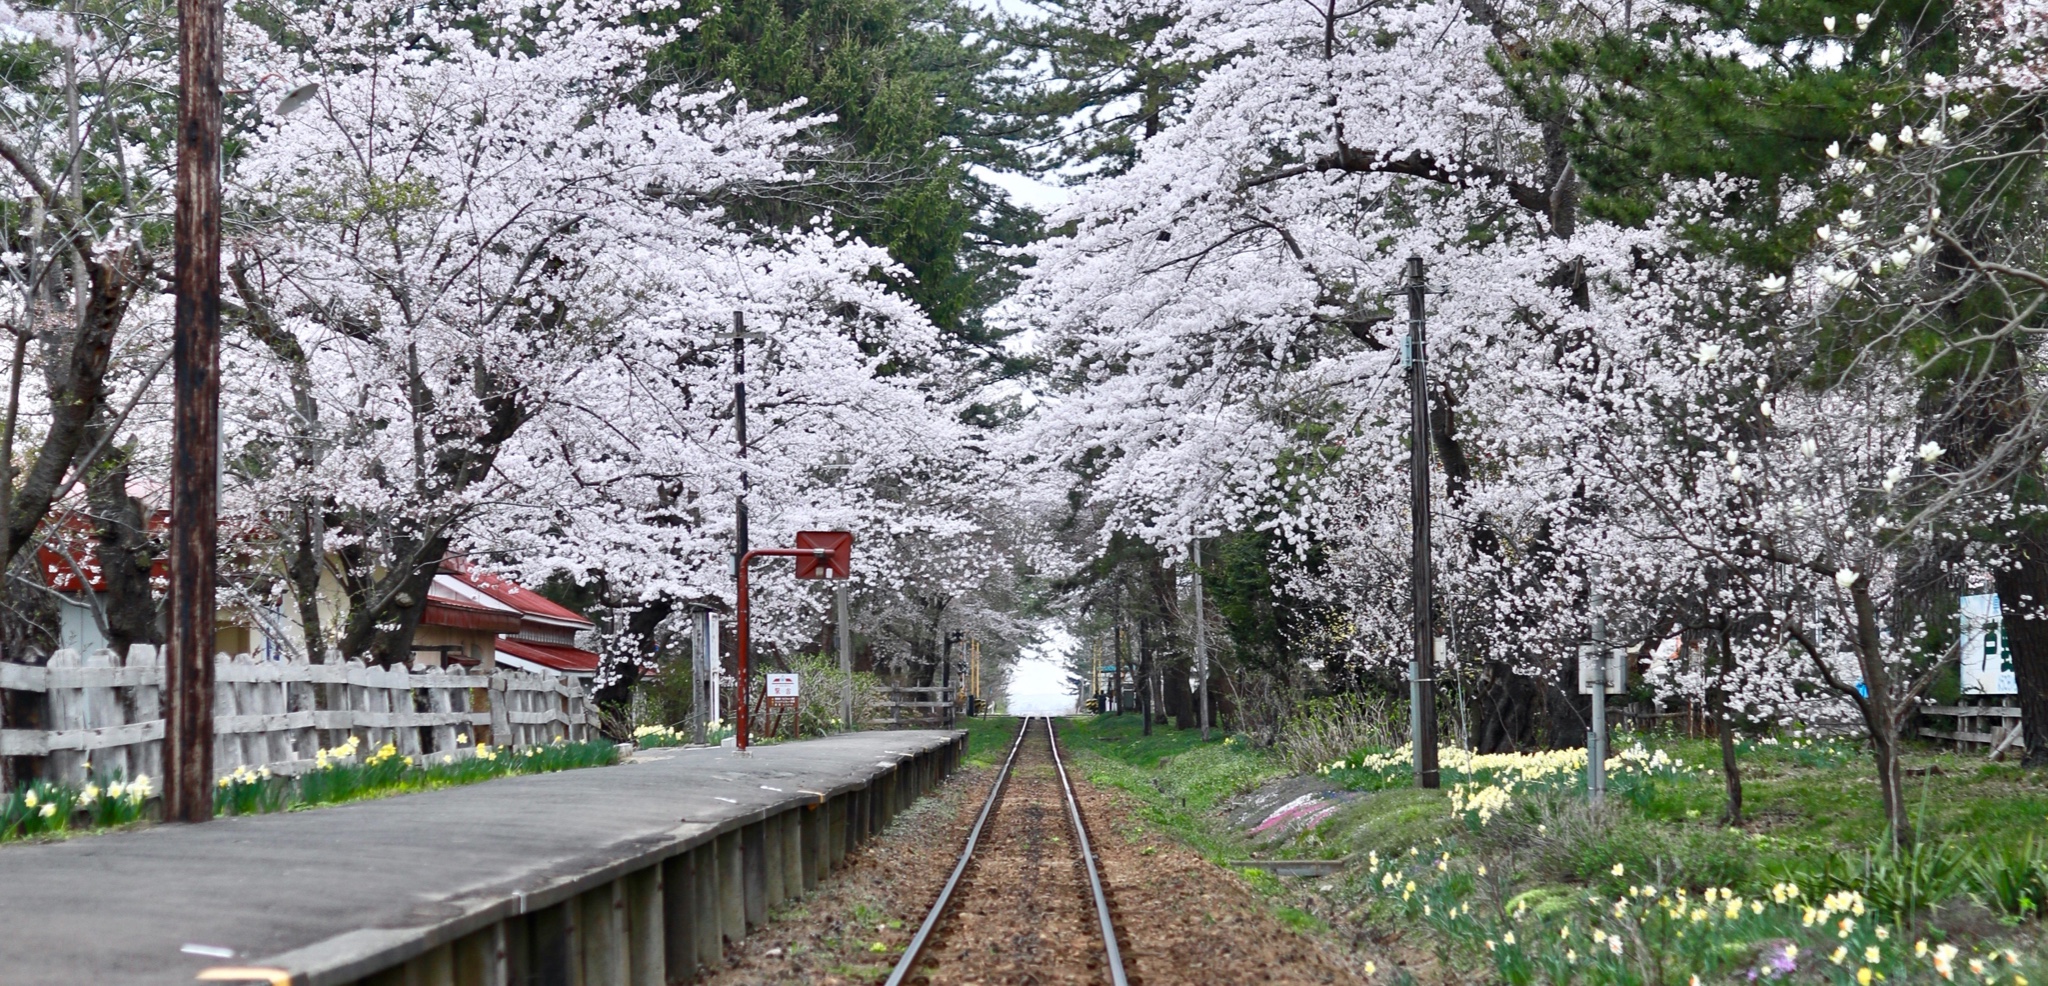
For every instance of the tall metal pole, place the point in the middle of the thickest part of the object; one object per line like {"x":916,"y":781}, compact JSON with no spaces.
{"x":195,"y":430}
{"x":1596,"y":739}
{"x":946,"y":673}
{"x":739,"y":520}
{"x":839,"y":602}
{"x":1422,"y":671}
{"x":703,"y":671}
{"x":1201,"y":645}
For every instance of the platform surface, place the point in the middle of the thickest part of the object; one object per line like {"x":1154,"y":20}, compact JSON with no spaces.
{"x":120,"y":908}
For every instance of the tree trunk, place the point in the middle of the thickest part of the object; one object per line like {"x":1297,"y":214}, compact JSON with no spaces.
{"x":1145,"y":673}
{"x":1717,"y":697}
{"x":2023,"y":606}
{"x":1180,"y":698}
{"x":124,"y":553}
{"x":1878,"y":717}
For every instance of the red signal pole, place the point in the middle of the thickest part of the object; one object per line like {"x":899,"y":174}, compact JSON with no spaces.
{"x":825,"y":554}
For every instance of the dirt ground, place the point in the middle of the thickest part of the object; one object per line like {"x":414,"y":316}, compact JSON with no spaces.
{"x":1180,"y":920}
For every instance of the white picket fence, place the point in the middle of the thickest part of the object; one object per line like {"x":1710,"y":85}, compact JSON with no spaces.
{"x":276,"y":714}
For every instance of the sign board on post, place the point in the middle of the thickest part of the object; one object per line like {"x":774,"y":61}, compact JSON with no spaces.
{"x":1986,"y":659}
{"x":835,"y":563}
{"x":782,"y":690}
{"x":1617,"y":670}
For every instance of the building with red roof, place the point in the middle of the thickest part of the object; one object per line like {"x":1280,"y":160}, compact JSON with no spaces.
{"x":539,"y":636}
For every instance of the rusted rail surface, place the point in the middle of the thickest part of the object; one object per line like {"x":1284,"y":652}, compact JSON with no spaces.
{"x":915,"y":952}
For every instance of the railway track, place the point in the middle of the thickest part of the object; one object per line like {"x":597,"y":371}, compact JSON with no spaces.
{"x":1025,"y":902}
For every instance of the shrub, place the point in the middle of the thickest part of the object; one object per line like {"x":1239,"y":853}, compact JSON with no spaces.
{"x":1330,"y":729}
{"x":2012,"y":878}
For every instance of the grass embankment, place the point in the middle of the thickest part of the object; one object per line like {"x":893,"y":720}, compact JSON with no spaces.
{"x":1507,"y":876}
{"x":44,"y":809}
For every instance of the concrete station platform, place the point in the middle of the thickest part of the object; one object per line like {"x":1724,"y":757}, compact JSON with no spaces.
{"x":629,"y":875}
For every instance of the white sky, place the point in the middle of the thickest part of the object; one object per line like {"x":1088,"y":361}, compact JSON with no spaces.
{"x":1024,"y":190}
{"x":1038,"y":684}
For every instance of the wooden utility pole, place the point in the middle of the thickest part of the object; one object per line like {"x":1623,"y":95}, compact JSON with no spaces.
{"x":1201,"y":645}
{"x":195,"y":430}
{"x":1422,"y":670}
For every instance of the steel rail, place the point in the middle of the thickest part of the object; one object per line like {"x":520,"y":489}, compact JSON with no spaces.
{"x":931,"y":920}
{"x":1116,"y":958}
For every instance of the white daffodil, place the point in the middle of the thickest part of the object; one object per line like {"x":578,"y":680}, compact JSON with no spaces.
{"x":1862,"y":22}
{"x":1921,"y":246}
{"x":1708,"y":352}
{"x":1959,"y":112}
{"x":1834,"y":149}
{"x":1878,"y":142}
{"x":1774,"y":284}
{"x":1930,"y":451}
{"x":1845,"y":578}
{"x":1906,"y":135}
{"x":1829,"y":23}
{"x":1851,"y":218}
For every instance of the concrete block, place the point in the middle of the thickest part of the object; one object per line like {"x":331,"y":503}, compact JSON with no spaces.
{"x":771,"y":864}
{"x":435,"y":968}
{"x":732,"y":889}
{"x":815,"y":822}
{"x":793,"y":868}
{"x":603,"y":945}
{"x":754,"y":874}
{"x":552,"y":936}
{"x":707,"y":905}
{"x":645,"y":928}
{"x":679,"y":918}
{"x":480,"y":958}
{"x":835,"y":831}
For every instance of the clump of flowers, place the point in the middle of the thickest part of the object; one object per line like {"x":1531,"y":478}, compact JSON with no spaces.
{"x":1493,"y":782}
{"x":654,"y":736}
{"x":1645,"y":933}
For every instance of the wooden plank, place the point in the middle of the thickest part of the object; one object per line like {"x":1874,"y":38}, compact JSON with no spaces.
{"x":1960,"y":736}
{"x":2001,"y":711}
{"x":40,"y":742}
{"x":29,"y":678}
{"x":145,"y":704}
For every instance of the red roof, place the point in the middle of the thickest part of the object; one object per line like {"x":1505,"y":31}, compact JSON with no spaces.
{"x":558,"y":656}
{"x":445,"y":612}
{"x":515,"y":595}
{"x":67,"y":552}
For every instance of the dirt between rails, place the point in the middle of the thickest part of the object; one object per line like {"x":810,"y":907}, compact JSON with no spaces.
{"x":1180,"y":920}
{"x":1023,"y":913}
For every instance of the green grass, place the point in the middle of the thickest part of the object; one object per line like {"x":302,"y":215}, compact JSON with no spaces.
{"x":1516,"y":899}
{"x":1177,"y":779}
